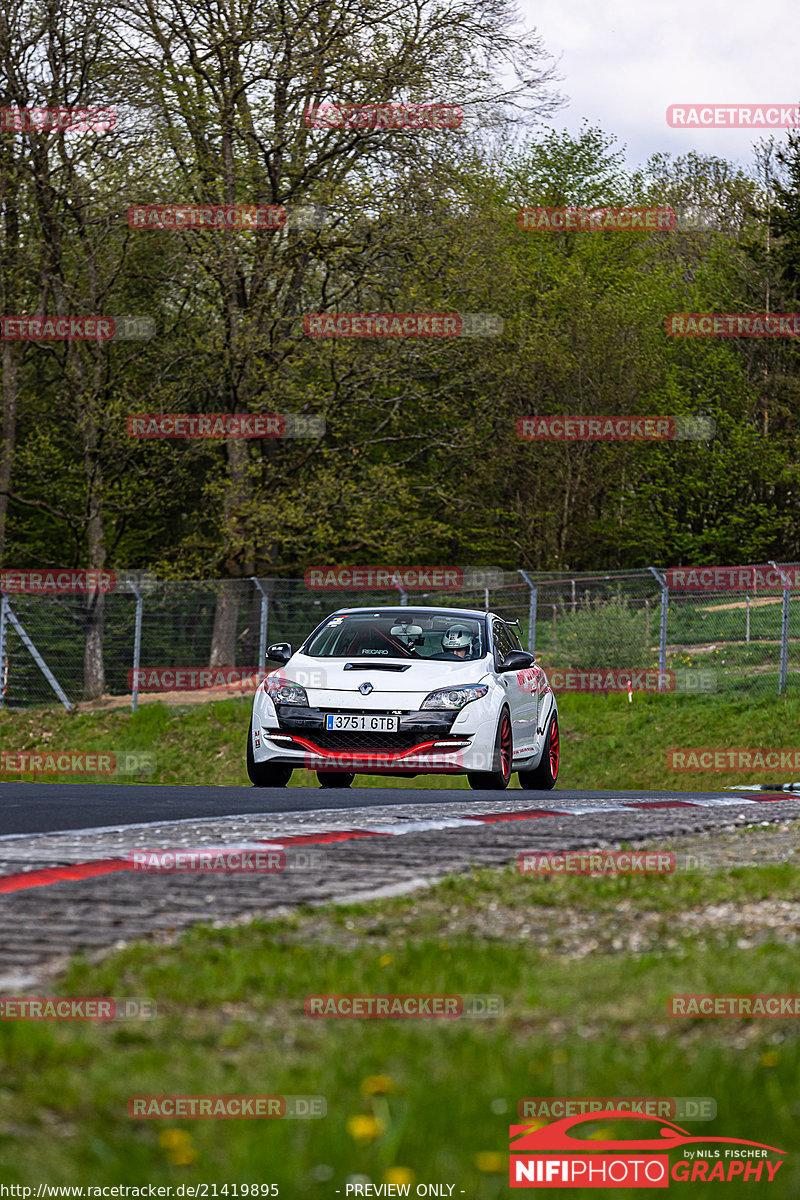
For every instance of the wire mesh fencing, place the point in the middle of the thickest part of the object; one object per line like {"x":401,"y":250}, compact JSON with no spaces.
{"x":662,"y":630}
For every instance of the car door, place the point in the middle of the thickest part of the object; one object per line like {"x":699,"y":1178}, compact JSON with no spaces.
{"x":516,"y":695}
{"x":529,"y":681}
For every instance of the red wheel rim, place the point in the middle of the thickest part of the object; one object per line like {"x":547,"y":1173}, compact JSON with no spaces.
{"x":505,"y":746}
{"x":554,"y":748}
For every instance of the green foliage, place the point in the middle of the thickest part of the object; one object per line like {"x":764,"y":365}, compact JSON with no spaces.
{"x":420,"y":460}
{"x":601,"y":630}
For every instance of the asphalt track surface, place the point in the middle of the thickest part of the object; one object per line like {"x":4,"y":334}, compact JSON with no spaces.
{"x":66,"y":884}
{"x":47,"y":808}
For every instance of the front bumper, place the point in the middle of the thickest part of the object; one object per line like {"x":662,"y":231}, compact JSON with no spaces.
{"x":423,"y":742}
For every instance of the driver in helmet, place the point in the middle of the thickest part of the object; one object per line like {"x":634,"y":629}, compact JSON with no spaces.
{"x":458,"y":641}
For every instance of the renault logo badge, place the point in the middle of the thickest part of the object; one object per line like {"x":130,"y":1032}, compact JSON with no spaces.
{"x":365,"y":688}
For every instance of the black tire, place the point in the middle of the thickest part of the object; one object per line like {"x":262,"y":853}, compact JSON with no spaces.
{"x":543,"y":777}
{"x":498,"y":779}
{"x":331,"y":779}
{"x":265,"y":774}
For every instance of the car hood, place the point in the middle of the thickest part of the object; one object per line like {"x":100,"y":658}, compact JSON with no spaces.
{"x":395,"y":682}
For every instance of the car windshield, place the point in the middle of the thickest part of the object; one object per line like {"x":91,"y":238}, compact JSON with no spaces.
{"x":406,"y":633}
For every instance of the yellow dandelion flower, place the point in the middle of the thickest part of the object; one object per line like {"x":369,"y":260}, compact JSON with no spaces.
{"x":376,"y":1085}
{"x":769,"y":1059}
{"x":399,"y":1175}
{"x":171,"y":1139}
{"x":364,"y":1129}
{"x":384,"y":960}
{"x":178,"y":1146}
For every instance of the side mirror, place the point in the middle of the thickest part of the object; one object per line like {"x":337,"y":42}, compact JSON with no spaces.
{"x":281,"y":652}
{"x":517,"y":660}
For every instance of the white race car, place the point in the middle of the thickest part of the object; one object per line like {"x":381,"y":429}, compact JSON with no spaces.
{"x":406,"y":691}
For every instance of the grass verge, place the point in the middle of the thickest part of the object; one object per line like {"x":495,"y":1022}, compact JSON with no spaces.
{"x":426,"y":1101}
{"x":606,"y":742}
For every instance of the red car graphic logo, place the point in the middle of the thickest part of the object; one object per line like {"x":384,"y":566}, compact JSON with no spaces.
{"x":556,"y":1136}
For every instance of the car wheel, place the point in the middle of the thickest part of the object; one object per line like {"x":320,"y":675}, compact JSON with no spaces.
{"x":265,"y":774}
{"x":543,"y":777}
{"x":498,"y":779}
{"x":329,"y":779}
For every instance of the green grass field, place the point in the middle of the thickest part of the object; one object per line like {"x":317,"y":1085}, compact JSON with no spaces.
{"x":605,"y":741}
{"x":425,"y":1101}
{"x":583,"y":967}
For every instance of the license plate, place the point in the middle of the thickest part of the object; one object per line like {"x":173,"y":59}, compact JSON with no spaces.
{"x":362,"y":723}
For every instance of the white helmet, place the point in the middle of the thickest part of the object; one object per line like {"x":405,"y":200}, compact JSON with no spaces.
{"x":457,"y":637}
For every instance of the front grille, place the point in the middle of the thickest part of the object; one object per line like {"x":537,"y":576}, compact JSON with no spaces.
{"x":415,"y":727}
{"x":353,"y":741}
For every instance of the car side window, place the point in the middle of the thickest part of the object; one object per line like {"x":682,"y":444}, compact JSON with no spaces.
{"x":516,"y":642}
{"x":503,"y":644}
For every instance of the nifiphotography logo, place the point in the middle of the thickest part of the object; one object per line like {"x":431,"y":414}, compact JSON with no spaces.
{"x":553,"y":1156}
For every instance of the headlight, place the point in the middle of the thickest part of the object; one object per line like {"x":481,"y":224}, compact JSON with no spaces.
{"x":455,"y":697}
{"x":283,"y":691}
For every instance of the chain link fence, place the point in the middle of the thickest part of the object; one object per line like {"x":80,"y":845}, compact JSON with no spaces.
{"x":670,"y":630}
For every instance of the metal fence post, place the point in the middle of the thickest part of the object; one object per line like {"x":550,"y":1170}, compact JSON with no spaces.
{"x":662,"y":640}
{"x":137,"y":645}
{"x":531,"y":611}
{"x":747,"y":621}
{"x":397,"y":582}
{"x":3,"y":629}
{"x":784,"y":667}
{"x":262,"y":630}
